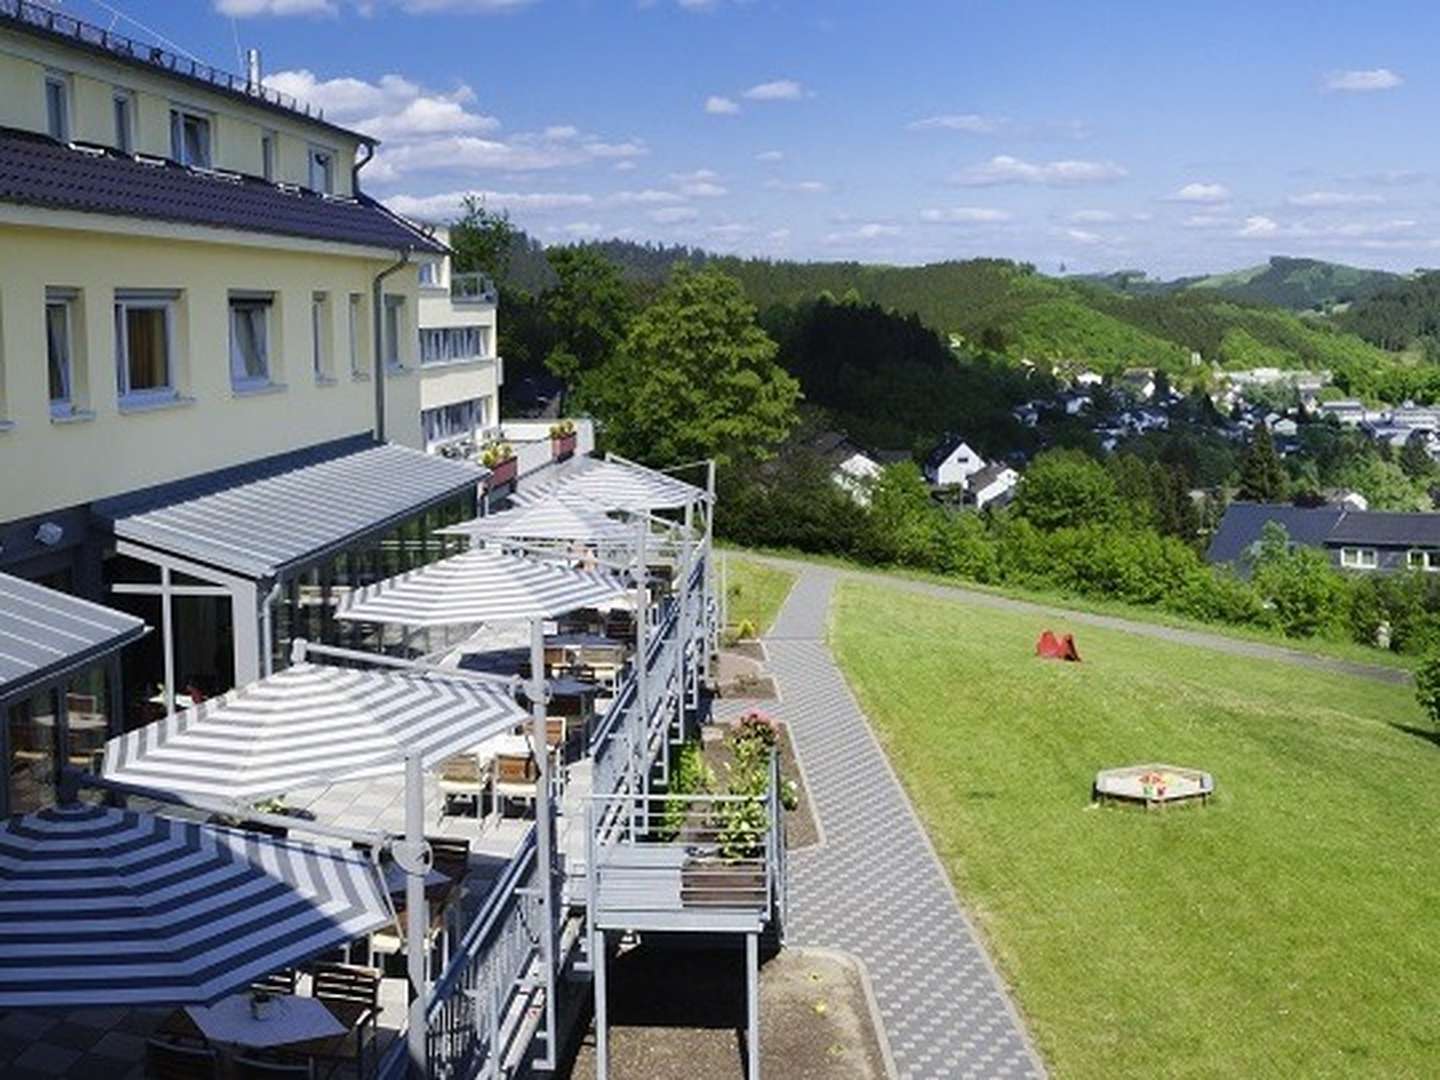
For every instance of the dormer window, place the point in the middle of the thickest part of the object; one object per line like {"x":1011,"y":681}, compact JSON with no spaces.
{"x":322,"y":171}
{"x":57,"y":106}
{"x":190,"y":138}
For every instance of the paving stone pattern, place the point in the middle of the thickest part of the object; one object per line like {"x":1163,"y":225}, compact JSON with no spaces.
{"x":874,"y":887}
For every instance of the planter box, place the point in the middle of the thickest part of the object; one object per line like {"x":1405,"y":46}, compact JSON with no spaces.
{"x":562,"y":447}
{"x":728,"y":883}
{"x":503,"y":473}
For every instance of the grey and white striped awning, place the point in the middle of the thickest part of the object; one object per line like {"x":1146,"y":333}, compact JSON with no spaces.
{"x":45,"y":635}
{"x":617,"y":485}
{"x":555,"y":518}
{"x":307,"y":725}
{"x":100,"y":906}
{"x":480,"y":586}
{"x":268,"y":517}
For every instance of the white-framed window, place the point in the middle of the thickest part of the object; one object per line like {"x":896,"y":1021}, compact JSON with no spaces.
{"x":1359,"y":558}
{"x":190,"y":138}
{"x":394,"y":328}
{"x":322,"y":170}
{"x":267,"y":155}
{"x":122,"y":105}
{"x":144,"y":346}
{"x":249,"y":341}
{"x":356,"y":325}
{"x":60,"y":350}
{"x":430,"y":273}
{"x":1427,"y":559}
{"x":320,"y":335}
{"x":57,"y":105}
{"x":455,"y":422}
{"x":439,"y":346}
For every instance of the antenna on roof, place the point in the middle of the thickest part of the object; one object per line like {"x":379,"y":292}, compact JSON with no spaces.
{"x":119,"y":16}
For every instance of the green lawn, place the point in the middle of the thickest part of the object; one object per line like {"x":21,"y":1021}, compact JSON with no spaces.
{"x":1291,"y":928}
{"x":754,"y":591}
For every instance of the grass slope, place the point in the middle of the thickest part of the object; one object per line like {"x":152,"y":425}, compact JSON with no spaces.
{"x":1287,"y":929}
{"x":754,"y":591}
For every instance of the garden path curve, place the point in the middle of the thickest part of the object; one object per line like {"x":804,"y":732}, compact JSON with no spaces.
{"x":874,"y":886}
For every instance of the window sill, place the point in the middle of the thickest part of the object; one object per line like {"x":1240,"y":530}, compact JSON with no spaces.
{"x":360,"y":376}
{"x":398,"y":371}
{"x":74,"y":416}
{"x":257,"y":389}
{"x":461,"y":361}
{"x":129,"y":406}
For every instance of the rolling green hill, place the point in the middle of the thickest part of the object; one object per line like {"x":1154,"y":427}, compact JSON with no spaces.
{"x":1297,"y":284}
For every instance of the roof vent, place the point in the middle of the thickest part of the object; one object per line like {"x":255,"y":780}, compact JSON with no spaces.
{"x":49,"y":534}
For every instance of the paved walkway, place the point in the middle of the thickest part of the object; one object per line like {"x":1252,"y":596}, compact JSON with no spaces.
{"x":1199,"y":638}
{"x":874,"y":886}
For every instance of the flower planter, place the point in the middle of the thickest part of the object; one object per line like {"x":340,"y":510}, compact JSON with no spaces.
{"x":711,"y":881}
{"x":562,"y":447}
{"x":502,"y":473}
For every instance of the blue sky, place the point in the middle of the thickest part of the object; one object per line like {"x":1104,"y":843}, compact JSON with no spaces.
{"x":1174,"y":138}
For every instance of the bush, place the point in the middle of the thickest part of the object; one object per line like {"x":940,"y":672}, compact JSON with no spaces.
{"x":1427,"y":687}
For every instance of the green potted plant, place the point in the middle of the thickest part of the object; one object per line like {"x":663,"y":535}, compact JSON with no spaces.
{"x":562,"y":439}
{"x":499,"y":457}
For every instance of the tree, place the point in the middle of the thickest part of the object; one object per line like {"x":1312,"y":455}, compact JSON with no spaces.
{"x":1427,"y":687}
{"x":1262,"y":474}
{"x":1065,"y":488}
{"x":695,"y":377}
{"x":482,"y":239}
{"x":1415,"y":458}
{"x":590,"y":309}
{"x":1303,"y":590}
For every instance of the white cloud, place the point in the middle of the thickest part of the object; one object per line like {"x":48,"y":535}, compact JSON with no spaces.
{"x":1004,"y":169}
{"x":624,"y":166}
{"x":674,"y":215}
{"x":244,"y":9}
{"x":729,"y":231}
{"x":521,"y":153}
{"x":1363,"y":81}
{"x":965,"y":215}
{"x":799,"y":187}
{"x":1093,"y":217}
{"x":778,"y":235}
{"x":779,"y":90}
{"x":716,"y":105}
{"x":770,"y":156}
{"x":391,"y":108}
{"x":700,"y":184}
{"x":1325,"y":199}
{"x":868,"y":231}
{"x":974,"y":123}
{"x":647,"y":197}
{"x":1196,"y":192}
{"x":584,"y":228}
{"x":1084,"y":236}
{"x":1206,"y":221}
{"x":1259,"y":225}
{"x":446,"y":206}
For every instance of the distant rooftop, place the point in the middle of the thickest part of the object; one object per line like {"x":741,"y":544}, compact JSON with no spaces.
{"x":37,"y":20}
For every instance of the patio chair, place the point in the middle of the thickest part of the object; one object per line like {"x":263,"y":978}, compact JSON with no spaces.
{"x":174,"y":1061}
{"x":282,"y":982}
{"x":352,"y":994}
{"x":463,"y":776}
{"x":253,"y":1067}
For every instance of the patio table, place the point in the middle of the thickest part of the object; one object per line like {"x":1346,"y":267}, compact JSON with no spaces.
{"x":291,"y":1020}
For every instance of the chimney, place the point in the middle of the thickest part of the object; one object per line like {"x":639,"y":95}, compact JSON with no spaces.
{"x":252,"y":71}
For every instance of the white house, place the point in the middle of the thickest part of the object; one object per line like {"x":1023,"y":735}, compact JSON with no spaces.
{"x":993,"y":485}
{"x":952,"y":463}
{"x":852,"y":468}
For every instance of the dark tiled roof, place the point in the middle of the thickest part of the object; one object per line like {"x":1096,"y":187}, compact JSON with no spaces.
{"x":1243,"y":523}
{"x":946,"y":447}
{"x":1387,"y":529}
{"x":988,"y":475}
{"x":37,"y":171}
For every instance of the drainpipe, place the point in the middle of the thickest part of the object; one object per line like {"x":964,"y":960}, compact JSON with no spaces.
{"x":377,"y":301}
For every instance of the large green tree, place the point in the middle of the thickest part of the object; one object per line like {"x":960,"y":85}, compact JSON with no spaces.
{"x":695,"y":377}
{"x":481,"y":239}
{"x":590,"y":309}
{"x":1262,"y":474}
{"x":1065,"y":488}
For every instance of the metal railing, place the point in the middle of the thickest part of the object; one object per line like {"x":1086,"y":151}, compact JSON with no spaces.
{"x":688,"y":853}
{"x":475,"y":1016}
{"x":473,"y":287}
{"x":97,"y":37}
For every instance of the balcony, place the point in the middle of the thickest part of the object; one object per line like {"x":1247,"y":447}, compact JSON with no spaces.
{"x":473,"y":288}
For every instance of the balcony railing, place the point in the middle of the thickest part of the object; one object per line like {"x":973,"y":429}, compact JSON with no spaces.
{"x":473,"y":288}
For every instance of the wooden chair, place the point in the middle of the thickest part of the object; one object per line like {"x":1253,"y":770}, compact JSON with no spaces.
{"x":463,"y":776}
{"x":282,"y":982}
{"x":166,"y":1060}
{"x":352,"y":994}
{"x":252,"y":1067}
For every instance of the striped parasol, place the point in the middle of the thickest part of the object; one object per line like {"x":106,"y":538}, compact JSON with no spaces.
{"x":100,"y":906}
{"x":555,"y":518}
{"x":309,"y":724}
{"x":480,"y":586}
{"x":615,"y":485}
